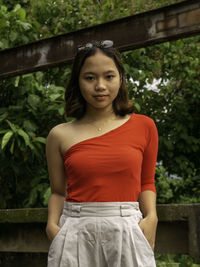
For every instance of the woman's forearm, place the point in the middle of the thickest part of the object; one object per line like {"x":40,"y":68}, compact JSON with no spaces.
{"x":55,"y":207}
{"x":147,"y":201}
{"x":148,"y":225}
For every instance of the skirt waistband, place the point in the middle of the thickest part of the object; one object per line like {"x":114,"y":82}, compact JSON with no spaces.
{"x":98,"y":209}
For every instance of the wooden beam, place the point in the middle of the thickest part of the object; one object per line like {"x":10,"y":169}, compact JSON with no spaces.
{"x":164,"y":24}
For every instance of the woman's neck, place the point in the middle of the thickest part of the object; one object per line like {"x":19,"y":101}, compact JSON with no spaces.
{"x":99,"y":115}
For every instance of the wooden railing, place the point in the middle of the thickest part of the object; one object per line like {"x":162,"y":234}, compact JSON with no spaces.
{"x":23,"y":230}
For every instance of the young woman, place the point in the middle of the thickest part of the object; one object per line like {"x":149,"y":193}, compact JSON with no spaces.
{"x":101,"y":167}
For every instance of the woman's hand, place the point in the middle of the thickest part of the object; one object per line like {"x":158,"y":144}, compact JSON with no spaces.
{"x":148,"y":226}
{"x":52,"y":230}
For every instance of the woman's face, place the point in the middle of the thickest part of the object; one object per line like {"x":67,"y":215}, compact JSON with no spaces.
{"x":99,"y":81}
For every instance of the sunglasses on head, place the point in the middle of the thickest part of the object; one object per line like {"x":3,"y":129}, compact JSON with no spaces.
{"x":100,"y":44}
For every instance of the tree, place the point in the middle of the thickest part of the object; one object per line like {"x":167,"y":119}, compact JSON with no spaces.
{"x":175,"y":106}
{"x":32,"y":104}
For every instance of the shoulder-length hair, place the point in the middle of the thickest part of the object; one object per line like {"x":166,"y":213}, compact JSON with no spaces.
{"x":75,"y":103}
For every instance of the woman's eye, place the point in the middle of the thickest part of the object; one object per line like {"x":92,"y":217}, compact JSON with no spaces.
{"x":89,"y":78}
{"x":109,"y":77}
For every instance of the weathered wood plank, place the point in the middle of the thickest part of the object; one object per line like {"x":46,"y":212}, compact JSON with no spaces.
{"x":21,"y":230}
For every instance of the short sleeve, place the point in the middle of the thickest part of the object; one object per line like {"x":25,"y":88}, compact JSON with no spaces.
{"x":149,"y":157}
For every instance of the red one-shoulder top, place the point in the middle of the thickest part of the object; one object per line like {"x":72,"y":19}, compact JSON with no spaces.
{"x":116,"y":166}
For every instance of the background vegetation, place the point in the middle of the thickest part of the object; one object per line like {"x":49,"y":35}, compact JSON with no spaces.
{"x":176,"y":260}
{"x":32,"y":104}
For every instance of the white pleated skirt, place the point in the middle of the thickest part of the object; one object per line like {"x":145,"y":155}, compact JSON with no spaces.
{"x":100,"y":234}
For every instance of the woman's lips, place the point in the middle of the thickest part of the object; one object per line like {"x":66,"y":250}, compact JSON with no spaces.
{"x":100,"y":97}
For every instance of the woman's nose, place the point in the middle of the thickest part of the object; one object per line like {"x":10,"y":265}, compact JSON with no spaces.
{"x":100,"y":85}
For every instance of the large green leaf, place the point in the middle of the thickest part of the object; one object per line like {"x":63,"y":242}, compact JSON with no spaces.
{"x":13,"y":35}
{"x":33,"y":101}
{"x":12,"y":126}
{"x":25,"y":25}
{"x":46,"y":196}
{"x":3,"y":131}
{"x":12,"y":146}
{"x":54,"y":96}
{"x":17,"y":8}
{"x":40,"y":139}
{"x":6,"y":139}
{"x":22,"y":14}
{"x":25,"y":136}
{"x":61,"y":111}
{"x":29,"y":126}
{"x":3,"y":116}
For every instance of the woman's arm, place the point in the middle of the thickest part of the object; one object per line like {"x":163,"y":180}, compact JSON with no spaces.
{"x":147,"y":197}
{"x":148,"y":225}
{"x":57,"y":182}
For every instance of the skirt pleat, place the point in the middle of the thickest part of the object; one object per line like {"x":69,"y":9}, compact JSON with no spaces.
{"x":70,"y":248}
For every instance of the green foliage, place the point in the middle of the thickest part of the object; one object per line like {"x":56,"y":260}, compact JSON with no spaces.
{"x":26,"y":21}
{"x":163,"y":186}
{"x":14,"y":27}
{"x":173,"y":260}
{"x":175,"y":105}
{"x":25,"y":121}
{"x":32,"y":104}
{"x":173,"y":189}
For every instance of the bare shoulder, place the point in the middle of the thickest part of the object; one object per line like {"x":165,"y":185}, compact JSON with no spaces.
{"x":60,"y":137}
{"x":58,"y":132}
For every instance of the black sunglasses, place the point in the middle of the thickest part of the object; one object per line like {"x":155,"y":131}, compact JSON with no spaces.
{"x":100,"y":44}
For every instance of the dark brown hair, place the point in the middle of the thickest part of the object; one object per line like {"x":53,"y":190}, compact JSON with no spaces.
{"x":75,"y":103}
